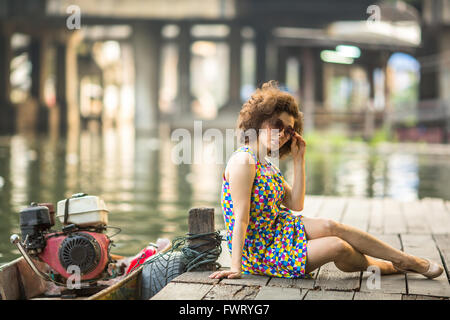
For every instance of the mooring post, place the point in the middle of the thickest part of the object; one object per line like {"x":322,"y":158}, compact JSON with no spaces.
{"x":201,"y":220}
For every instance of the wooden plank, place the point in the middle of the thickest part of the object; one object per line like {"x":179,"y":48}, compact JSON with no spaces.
{"x":394,"y":221}
{"x":311,"y":206}
{"x":196,"y":277}
{"x":389,"y":283}
{"x":376,"y":221}
{"x":377,"y":296}
{"x":436,"y":215}
{"x":392,"y":283}
{"x":127,"y":288}
{"x":443,"y":243}
{"x":420,"y":245}
{"x":328,"y":295}
{"x":423,"y":246}
{"x":331,"y":278}
{"x":357,"y":213}
{"x":10,"y":281}
{"x":278,"y":293}
{"x":332,"y":208}
{"x":31,"y":283}
{"x":415,"y":213}
{"x":391,"y":239}
{"x":247,"y":280}
{"x":183,"y":291}
{"x":57,"y":298}
{"x":419,"y":297}
{"x":306,"y":283}
{"x":232,"y":292}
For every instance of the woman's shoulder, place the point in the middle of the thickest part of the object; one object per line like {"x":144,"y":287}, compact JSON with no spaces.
{"x":241,"y":163}
{"x":247,"y":151}
{"x":242,"y":155}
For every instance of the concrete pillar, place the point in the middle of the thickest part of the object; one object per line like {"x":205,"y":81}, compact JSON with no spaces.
{"x":308,"y":87}
{"x":388,"y":110}
{"x":429,"y":71}
{"x":319,"y":81}
{"x":5,"y":67}
{"x":282,"y":56}
{"x":147,"y":44}
{"x":61,"y":86}
{"x":271,"y":58}
{"x":261,"y":67}
{"x":7,"y":111}
{"x":184,"y":61}
{"x":444,"y":81}
{"x":328,"y":74}
{"x":38,"y":49}
{"x":432,"y":55}
{"x":369,"y":116}
{"x":68,"y":111}
{"x":235,"y":43}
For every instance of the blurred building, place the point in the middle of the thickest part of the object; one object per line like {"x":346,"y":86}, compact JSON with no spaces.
{"x":351,"y":64}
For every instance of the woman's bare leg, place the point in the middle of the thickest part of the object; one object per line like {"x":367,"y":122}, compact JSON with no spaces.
{"x":344,"y":256}
{"x":362,"y":242}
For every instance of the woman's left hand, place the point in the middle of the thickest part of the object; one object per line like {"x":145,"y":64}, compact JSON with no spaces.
{"x":230,"y":274}
{"x":298,"y":147}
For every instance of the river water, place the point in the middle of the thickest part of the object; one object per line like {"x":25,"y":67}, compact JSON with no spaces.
{"x":148,"y":195}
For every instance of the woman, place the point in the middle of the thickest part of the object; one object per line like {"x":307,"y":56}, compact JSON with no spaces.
{"x":263,"y":236}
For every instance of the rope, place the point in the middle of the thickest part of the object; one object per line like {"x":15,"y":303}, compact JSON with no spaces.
{"x":193,"y":257}
{"x":196,"y":258}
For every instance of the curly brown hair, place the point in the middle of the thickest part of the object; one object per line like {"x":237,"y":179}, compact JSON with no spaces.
{"x":266,"y":103}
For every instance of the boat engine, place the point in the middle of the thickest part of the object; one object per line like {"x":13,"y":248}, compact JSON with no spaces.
{"x":84,"y":249}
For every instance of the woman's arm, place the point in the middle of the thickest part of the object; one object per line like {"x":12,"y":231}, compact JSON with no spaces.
{"x":241,"y":175}
{"x":294,"y":197}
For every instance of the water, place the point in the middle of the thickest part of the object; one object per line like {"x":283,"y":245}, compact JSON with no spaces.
{"x":149,"y":196}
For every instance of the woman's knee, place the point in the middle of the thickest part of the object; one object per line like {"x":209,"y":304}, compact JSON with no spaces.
{"x":341,"y":248}
{"x":320,"y":227}
{"x":331,"y":226}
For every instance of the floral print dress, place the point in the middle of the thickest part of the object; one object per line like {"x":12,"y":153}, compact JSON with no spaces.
{"x":275,"y":243}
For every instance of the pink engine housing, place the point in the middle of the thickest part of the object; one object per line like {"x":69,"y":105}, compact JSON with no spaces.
{"x":50,"y":254}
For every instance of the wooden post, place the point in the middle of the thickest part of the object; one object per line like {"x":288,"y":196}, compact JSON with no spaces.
{"x":201,"y":220}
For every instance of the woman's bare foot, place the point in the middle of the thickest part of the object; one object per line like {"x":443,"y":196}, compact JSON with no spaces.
{"x":416,"y":264}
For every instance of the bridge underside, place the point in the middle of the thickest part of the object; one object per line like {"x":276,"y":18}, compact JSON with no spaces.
{"x":279,"y":32}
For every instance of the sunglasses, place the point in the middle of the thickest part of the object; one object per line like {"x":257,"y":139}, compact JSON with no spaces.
{"x":278,"y":124}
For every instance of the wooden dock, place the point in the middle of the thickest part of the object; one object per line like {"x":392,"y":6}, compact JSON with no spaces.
{"x":420,"y":227}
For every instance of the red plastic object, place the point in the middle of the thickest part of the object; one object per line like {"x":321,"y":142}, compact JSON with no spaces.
{"x":51,"y":257}
{"x":140,"y":258}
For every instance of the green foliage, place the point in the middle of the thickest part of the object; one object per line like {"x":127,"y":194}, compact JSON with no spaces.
{"x":338,"y":139}
{"x":334,"y":139}
{"x":381,"y":135}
